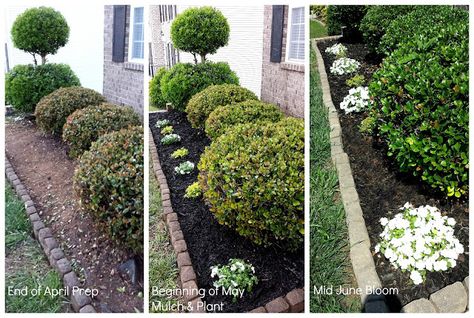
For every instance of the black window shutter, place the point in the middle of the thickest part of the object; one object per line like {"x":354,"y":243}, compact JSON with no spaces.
{"x":277,"y":33}
{"x":118,"y":41}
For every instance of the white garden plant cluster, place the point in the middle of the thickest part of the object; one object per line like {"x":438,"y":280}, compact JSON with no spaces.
{"x":344,"y":65}
{"x":184,"y":168}
{"x":357,"y":100}
{"x":237,"y":274}
{"x":419,"y":240}
{"x":337,"y":49}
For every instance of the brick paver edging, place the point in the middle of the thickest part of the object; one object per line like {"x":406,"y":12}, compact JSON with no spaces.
{"x":291,"y":302}
{"x":57,"y":259}
{"x":452,"y":298}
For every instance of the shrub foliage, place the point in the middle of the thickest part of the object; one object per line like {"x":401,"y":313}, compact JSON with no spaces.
{"x":200,"y":31}
{"x":204,"y":102}
{"x":344,"y":15}
{"x":109,"y":181}
{"x":156,"y":97}
{"x":86,"y":125}
{"x":420,"y":107}
{"x":251,"y":111}
{"x":184,"y":80}
{"x":53,"y":109}
{"x":253,"y":179}
{"x":40,"y":31}
{"x":25,"y":85}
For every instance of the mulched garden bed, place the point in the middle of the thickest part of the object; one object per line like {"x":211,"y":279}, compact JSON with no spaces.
{"x":210,"y":243}
{"x":47,"y":172}
{"x":383,"y":189}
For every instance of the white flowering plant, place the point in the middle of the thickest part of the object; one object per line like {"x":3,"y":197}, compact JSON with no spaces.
{"x":357,"y":100}
{"x":419,"y":240}
{"x":338,"y":50}
{"x":184,"y":168}
{"x":162,"y":123}
{"x":170,"y":139}
{"x":237,"y":274}
{"x":344,"y":65}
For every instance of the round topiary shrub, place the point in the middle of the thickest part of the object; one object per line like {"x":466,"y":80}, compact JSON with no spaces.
{"x":156,"y":97}
{"x":253,"y":179}
{"x":422,"y":20}
{"x":348,"y":16}
{"x":53,"y":110}
{"x":40,"y":31}
{"x":251,"y":111}
{"x":87,"y":124}
{"x":421,"y":107}
{"x":200,"y":31}
{"x":184,"y":80}
{"x":204,"y":102}
{"x":109,"y":182}
{"x":377,"y":20}
{"x":25,"y":85}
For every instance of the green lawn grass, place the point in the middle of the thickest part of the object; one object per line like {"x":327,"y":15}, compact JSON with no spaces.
{"x":162,"y":269}
{"x":317,"y":30}
{"x":26,"y":265}
{"x":329,"y":251}
{"x":152,"y":108}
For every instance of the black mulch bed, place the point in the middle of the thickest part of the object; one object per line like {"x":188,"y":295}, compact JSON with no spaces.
{"x":383,"y":190}
{"x":210,"y":243}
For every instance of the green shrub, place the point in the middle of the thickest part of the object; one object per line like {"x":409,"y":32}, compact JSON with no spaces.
{"x":167,"y":130}
{"x":193,"y":191}
{"x":156,"y":97}
{"x":251,"y":111}
{"x":204,"y":102}
{"x":180,"y":153}
{"x":319,"y":12}
{"x":421,"y":107}
{"x":53,"y":109}
{"x":344,"y":15}
{"x":184,"y":80}
{"x":109,"y":182}
{"x":40,"y":31}
{"x":377,"y":20}
{"x":86,"y":125}
{"x":253,"y":179}
{"x":200,"y":30}
{"x":356,"y":80}
{"x":25,"y":85}
{"x":423,"y":19}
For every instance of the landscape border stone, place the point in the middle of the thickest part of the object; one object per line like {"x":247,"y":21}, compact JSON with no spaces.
{"x":79,"y":302}
{"x":291,"y":302}
{"x":452,"y":298}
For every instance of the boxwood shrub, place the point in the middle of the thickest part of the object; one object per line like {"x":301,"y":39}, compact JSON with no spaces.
{"x":156,"y":97}
{"x":184,"y":80}
{"x":53,"y":109}
{"x":423,"y":19}
{"x":377,"y":20}
{"x":253,"y":179}
{"x":345,"y":15}
{"x":109,"y":182}
{"x":25,"y":85}
{"x":87,"y":124}
{"x":421,"y":107}
{"x":204,"y":102}
{"x":251,"y":111}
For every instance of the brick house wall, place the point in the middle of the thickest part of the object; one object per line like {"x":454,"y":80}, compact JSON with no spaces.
{"x":123,"y":81}
{"x":283,"y":82}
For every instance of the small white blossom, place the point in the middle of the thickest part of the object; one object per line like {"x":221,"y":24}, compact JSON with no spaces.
{"x":416,"y":277}
{"x":337,"y":49}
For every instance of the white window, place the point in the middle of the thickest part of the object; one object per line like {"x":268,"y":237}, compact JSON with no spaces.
{"x":295,"y":35}
{"x":136,"y":47}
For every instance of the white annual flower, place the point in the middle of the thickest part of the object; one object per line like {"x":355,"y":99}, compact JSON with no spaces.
{"x":184,"y":167}
{"x":337,"y":49}
{"x":416,"y":277}
{"x":344,"y":65}
{"x":214,"y":271}
{"x":357,"y":100}
{"x":419,"y":240}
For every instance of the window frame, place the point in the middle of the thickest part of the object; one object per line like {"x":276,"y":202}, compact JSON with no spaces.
{"x":288,"y":35}
{"x":130,"y":35}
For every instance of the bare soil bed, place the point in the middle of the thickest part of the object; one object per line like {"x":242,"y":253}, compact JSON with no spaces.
{"x":47,"y":172}
{"x":383,"y":189}
{"x":210,"y":243}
